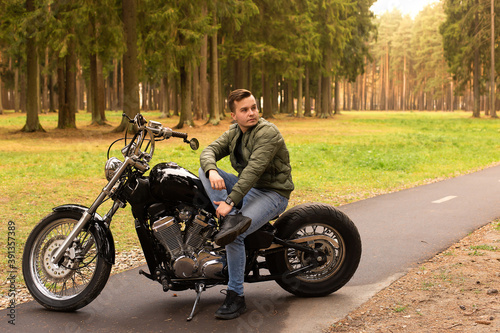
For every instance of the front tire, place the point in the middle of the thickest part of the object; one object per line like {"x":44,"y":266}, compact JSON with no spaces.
{"x":342,"y":247}
{"x":82,"y":274}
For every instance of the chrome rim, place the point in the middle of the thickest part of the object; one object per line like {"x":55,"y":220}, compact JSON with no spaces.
{"x":333,"y":248}
{"x":79,"y":263}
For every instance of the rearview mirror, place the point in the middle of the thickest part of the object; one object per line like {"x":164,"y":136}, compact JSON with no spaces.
{"x":194,"y":144}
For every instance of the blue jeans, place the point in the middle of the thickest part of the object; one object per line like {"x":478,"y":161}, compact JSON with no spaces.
{"x":259,"y":205}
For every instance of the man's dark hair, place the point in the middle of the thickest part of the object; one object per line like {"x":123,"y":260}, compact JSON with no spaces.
{"x":236,"y":96}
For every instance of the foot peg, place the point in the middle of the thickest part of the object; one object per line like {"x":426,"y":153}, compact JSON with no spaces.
{"x":200,"y":287}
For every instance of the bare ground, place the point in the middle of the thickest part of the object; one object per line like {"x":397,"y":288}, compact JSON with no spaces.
{"x":456,"y":291}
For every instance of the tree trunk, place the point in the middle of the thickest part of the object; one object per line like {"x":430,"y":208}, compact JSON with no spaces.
{"x":317,"y":102}
{"x":175,"y":95}
{"x":71,"y":85}
{"x":165,"y":112}
{"x":114,"y":90}
{"x":307,"y":103}
{"x":186,"y":116}
{"x":101,"y":91}
{"x":349,"y":95}
{"x":214,"y":77}
{"x":386,"y":75}
{"x":477,"y":96}
{"x":300,"y":112}
{"x":337,"y":95}
{"x":363,"y":88}
{"x":404,"y":83}
{"x":67,"y":89}
{"x":374,"y":86}
{"x":61,"y":86}
{"x":130,"y":66}
{"x":1,"y":90}
{"x":80,"y":88}
{"x":275,"y":93}
{"x":196,"y":91}
{"x":268,"y":103}
{"x":289,"y":97}
{"x":241,"y":79}
{"x":52,"y":102}
{"x":452,"y":97}
{"x":492,"y":72}
{"x":32,"y":93}
{"x":119,"y":88}
{"x":325,"y":96}
{"x":93,"y":101}
{"x":222,"y":105}
{"x":203,"y":76}
{"x":45,"y":82}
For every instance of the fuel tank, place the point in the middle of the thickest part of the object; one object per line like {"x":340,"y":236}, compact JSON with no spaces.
{"x":171,"y":183}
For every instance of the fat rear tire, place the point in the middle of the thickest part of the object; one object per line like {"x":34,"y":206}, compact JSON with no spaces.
{"x":343,"y":250}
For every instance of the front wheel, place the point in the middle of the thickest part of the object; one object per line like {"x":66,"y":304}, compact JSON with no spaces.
{"x":78,"y":278}
{"x":341,"y":248}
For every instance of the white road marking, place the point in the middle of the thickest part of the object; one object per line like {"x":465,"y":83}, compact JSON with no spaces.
{"x":448,"y":198}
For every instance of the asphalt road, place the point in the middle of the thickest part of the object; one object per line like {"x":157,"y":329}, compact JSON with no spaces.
{"x":398,"y":231}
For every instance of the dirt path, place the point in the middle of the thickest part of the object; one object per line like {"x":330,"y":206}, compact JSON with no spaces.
{"x":456,"y":291}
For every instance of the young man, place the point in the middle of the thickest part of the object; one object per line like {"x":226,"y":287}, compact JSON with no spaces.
{"x":245,"y":202}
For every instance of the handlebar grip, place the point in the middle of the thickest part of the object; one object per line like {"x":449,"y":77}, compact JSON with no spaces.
{"x":179,"y":135}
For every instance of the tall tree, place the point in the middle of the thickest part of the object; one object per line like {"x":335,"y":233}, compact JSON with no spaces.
{"x":402,"y":54}
{"x":214,"y":116}
{"x":352,"y":62}
{"x":101,"y":41}
{"x":465,"y":41}
{"x":1,"y":92}
{"x":130,"y":64}
{"x":428,"y":44}
{"x":189,"y":30}
{"x":492,"y":60}
{"x":389,"y":24}
{"x":33,"y":93}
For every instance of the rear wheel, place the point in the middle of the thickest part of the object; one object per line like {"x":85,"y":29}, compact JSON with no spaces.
{"x":78,"y":278}
{"x":336,"y":237}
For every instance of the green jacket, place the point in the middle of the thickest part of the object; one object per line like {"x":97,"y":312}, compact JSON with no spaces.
{"x":264,"y":162}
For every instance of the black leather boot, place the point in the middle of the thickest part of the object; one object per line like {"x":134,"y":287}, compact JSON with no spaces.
{"x":233,"y":306}
{"x":232,"y":227}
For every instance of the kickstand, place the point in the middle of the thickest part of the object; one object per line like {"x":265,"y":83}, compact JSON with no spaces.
{"x":200,"y":287}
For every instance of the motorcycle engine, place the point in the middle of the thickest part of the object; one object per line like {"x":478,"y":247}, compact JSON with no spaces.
{"x":184,"y":236}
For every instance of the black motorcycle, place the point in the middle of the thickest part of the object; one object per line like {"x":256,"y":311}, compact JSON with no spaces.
{"x":310,"y":250}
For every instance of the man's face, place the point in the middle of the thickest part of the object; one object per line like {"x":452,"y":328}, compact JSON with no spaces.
{"x":246,"y":113}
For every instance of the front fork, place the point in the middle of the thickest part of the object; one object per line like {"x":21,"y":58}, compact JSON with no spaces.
{"x":87,"y":215}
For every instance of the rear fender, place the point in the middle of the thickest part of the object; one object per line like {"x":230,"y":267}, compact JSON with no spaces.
{"x":104,"y":235}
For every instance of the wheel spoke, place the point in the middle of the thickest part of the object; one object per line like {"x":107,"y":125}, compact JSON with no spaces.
{"x":70,"y":278}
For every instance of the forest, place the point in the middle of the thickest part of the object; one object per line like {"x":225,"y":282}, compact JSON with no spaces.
{"x":299,"y":57}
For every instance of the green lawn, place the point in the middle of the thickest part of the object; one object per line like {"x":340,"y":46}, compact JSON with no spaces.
{"x":350,"y":157}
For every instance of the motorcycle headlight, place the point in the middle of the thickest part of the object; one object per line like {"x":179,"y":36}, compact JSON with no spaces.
{"x":111,"y":166}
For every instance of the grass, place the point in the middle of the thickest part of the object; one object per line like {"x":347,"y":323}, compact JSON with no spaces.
{"x":400,"y":308}
{"x":350,"y":157}
{"x":484,"y":247}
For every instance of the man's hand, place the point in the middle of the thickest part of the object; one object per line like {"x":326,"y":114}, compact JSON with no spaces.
{"x":223,"y":208}
{"x":216,"y":181}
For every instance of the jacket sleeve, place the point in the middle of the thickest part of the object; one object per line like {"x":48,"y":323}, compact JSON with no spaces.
{"x":214,"y":152}
{"x":265,"y":148}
